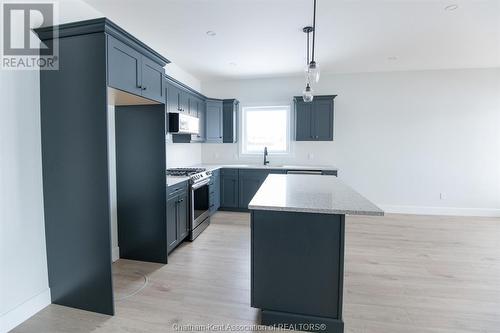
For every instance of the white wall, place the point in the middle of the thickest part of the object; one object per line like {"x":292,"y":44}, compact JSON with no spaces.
{"x":181,"y":75}
{"x":183,"y":154}
{"x":401,"y":138}
{"x":23,"y":262}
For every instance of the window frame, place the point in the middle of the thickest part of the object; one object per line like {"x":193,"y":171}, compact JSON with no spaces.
{"x":244,"y":109}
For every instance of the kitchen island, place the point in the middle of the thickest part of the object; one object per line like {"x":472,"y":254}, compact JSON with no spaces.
{"x":297,"y":249}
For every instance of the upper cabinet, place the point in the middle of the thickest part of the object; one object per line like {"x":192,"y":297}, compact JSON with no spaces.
{"x":314,"y":121}
{"x":173,"y":98}
{"x":218,"y":119}
{"x":201,"y":115}
{"x":181,"y":99}
{"x":214,"y":121}
{"x":230,"y":120}
{"x":131,"y":71}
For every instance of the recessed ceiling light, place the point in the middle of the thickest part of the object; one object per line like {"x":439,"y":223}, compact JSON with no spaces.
{"x":451,"y":7}
{"x":211,"y":33}
{"x":392,"y":58}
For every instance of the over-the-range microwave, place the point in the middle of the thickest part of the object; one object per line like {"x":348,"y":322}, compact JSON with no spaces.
{"x":180,"y":123}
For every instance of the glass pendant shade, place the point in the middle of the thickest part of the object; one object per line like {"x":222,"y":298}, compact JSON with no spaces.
{"x":313,"y":71}
{"x":307,"y":94}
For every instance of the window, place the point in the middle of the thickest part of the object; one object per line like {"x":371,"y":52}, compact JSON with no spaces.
{"x":265,"y":127}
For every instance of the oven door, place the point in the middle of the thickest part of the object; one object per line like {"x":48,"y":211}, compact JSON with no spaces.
{"x":199,"y":203}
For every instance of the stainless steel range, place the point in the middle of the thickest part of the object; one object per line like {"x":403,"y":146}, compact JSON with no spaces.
{"x":199,"y":215}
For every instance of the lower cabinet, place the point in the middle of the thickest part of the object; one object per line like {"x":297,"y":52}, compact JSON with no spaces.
{"x":177,"y":215}
{"x":214,"y":192}
{"x":238,"y":186}
{"x":229,"y":188}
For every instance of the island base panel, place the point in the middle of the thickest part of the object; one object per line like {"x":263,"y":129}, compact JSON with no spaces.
{"x":297,"y":262}
{"x":301,"y":322}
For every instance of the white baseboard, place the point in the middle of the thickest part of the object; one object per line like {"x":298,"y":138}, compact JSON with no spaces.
{"x":16,"y":316}
{"x":453,"y":211}
{"x":115,"y":253}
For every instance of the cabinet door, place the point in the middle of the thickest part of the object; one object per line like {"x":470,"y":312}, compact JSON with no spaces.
{"x":214,"y":192}
{"x":172,"y":98}
{"x":249,"y":182}
{"x":193,"y":106}
{"x":229,"y":122}
{"x":322,"y":117}
{"x":217,"y":192}
{"x":183,"y":101}
{"x":124,"y":67}
{"x":182,"y":216}
{"x":152,"y":80}
{"x":236,"y":120}
{"x":172,"y":234}
{"x":214,"y":121}
{"x":201,"y":137}
{"x":229,"y":191}
{"x":303,"y":113}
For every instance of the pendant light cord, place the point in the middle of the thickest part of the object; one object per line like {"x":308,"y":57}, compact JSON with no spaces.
{"x":307,"y":63}
{"x":314,"y":30}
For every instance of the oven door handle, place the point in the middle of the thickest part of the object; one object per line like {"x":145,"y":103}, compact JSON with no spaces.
{"x":200,"y":184}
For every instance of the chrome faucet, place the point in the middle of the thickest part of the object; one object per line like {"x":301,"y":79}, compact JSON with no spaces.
{"x":266,"y":162}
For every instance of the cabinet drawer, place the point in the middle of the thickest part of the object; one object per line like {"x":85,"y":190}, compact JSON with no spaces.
{"x":177,"y":189}
{"x":229,"y":172}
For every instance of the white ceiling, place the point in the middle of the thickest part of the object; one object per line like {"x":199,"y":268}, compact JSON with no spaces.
{"x":264,"y":37}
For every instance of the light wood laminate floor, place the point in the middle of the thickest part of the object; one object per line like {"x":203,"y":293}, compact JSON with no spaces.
{"x":403,"y":273}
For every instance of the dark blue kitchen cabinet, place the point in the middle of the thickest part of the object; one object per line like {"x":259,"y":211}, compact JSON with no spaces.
{"x":197,"y":109}
{"x":183,"y":101}
{"x":201,"y":136}
{"x":303,"y":118}
{"x":172,"y":231}
{"x":230,"y":121}
{"x":96,"y":56}
{"x":314,"y":121}
{"x":152,"y":80}
{"x":214,"y":121}
{"x":182,"y":215}
{"x":214,"y":192}
{"x":177,"y":215}
{"x":229,"y":187}
{"x":124,"y":67}
{"x":130,"y":71}
{"x":249,"y":182}
{"x":179,"y":100}
{"x":193,"y":103}
{"x":173,"y":97}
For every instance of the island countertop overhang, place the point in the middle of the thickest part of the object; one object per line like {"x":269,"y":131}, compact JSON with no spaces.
{"x":311,"y":194}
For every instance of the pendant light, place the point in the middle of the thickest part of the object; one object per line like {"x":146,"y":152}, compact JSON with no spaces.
{"x":307,"y":94}
{"x":312,"y":68}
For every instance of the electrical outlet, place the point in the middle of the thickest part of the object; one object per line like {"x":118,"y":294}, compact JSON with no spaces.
{"x":310,"y":156}
{"x":442,"y":196}
{"x":216,"y":155}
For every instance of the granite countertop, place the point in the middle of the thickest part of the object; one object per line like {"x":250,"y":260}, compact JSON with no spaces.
{"x":268,"y":167}
{"x":175,"y":180}
{"x":311,"y":194}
